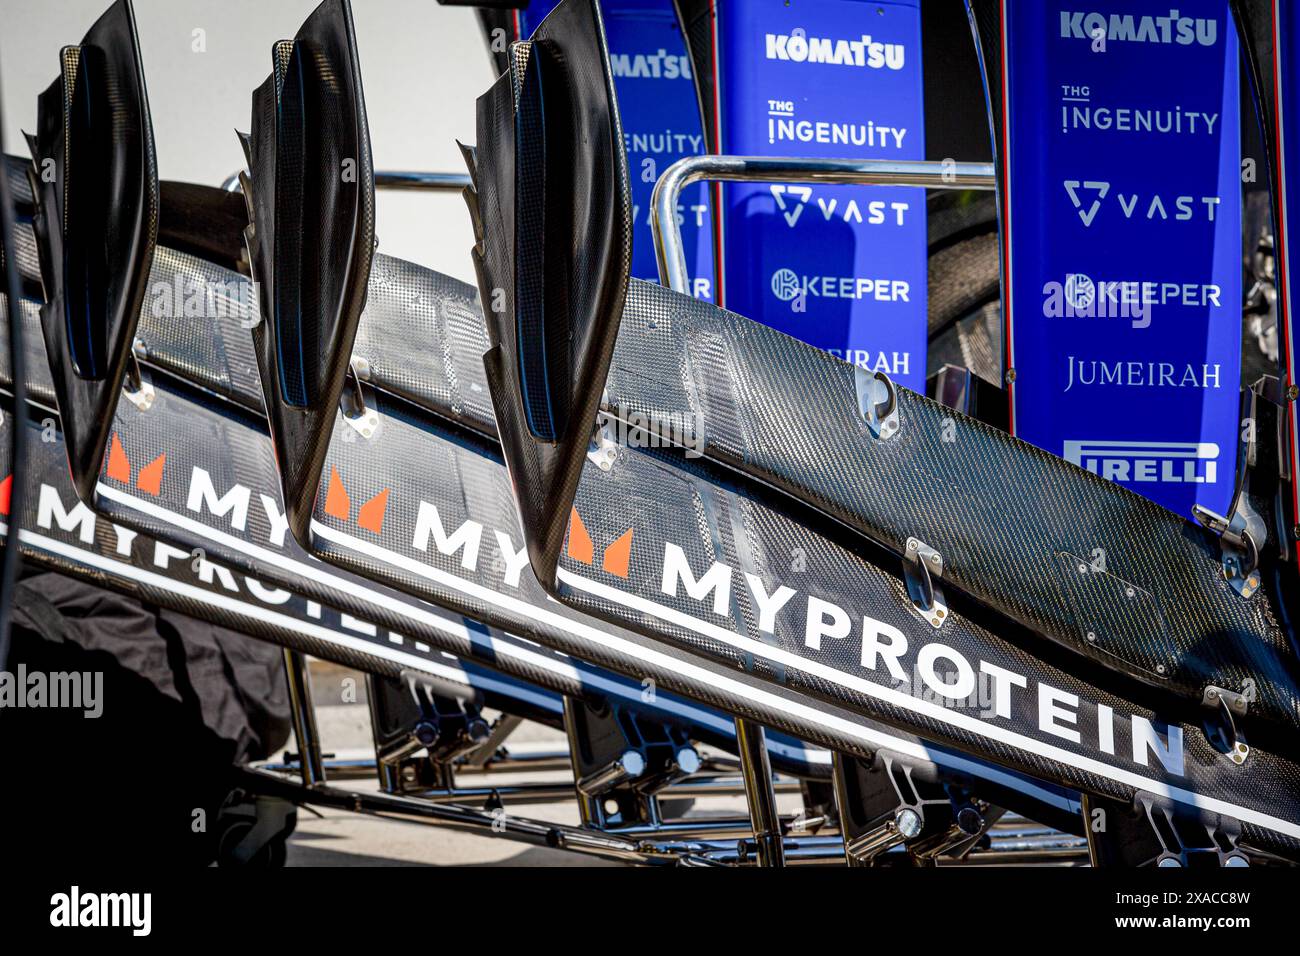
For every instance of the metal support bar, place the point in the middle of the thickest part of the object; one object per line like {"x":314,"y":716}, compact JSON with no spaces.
{"x":693,"y":848}
{"x":671,"y":253}
{"x":303,"y":715}
{"x":421,"y":182}
{"x":513,"y":762}
{"x":385,"y":770}
{"x":396,"y":180}
{"x":502,"y":728}
{"x":589,"y":810}
{"x":763,"y":816}
{"x":691,"y":842}
{"x":397,"y":807}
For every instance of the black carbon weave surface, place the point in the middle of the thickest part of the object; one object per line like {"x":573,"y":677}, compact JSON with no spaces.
{"x":189,"y":304}
{"x":540,"y":356}
{"x":96,"y":223}
{"x":246,"y":458}
{"x":20,"y":190}
{"x":584,"y":261}
{"x":712,"y":523}
{"x":313,"y":236}
{"x":461,"y":482}
{"x":212,"y":434}
{"x":423,"y":338}
{"x":199,"y":348}
{"x":999,"y":510}
{"x":27,"y":258}
{"x":39,"y":386}
{"x":129,"y":563}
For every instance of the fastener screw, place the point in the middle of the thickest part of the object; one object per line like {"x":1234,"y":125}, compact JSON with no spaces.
{"x":908,"y":822}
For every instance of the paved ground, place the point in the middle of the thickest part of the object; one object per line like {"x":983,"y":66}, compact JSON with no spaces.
{"x":337,"y":838}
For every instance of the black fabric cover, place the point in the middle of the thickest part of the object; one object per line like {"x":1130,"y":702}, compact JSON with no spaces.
{"x":182,"y":701}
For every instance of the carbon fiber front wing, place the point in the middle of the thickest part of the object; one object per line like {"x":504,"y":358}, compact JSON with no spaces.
{"x":283,"y":596}
{"x":779,"y":549}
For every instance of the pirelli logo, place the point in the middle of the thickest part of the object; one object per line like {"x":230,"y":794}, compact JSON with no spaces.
{"x":1151,"y":461}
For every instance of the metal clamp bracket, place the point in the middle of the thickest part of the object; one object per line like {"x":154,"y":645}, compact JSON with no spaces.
{"x":357,"y":403}
{"x":604,"y":442}
{"x":136,"y":387}
{"x":1223,"y":734}
{"x":1239,"y":536}
{"x":1242,"y":532}
{"x":922,"y":569}
{"x":877,"y":402}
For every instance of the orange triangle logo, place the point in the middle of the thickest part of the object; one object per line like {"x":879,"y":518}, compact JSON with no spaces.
{"x":618,"y":554}
{"x":119,"y":467}
{"x":371,"y":514}
{"x":337,"y":503}
{"x":150,"y":478}
{"x":580,"y":547}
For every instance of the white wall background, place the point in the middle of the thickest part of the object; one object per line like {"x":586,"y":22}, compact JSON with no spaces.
{"x":422,"y":66}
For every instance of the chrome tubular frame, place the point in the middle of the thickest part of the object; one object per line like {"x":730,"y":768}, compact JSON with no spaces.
{"x":396,"y":180}
{"x":670,"y":253}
